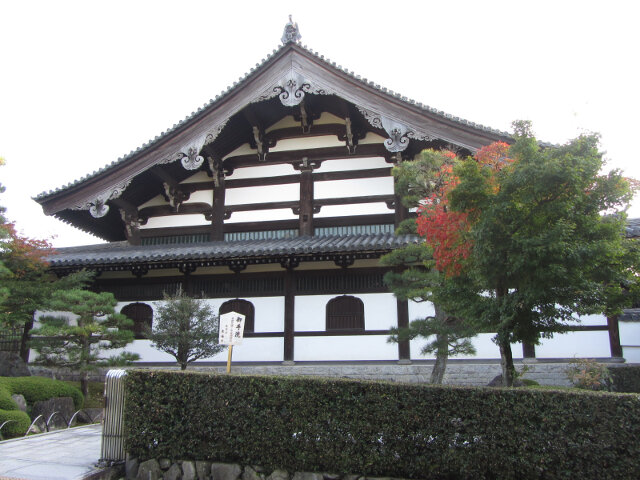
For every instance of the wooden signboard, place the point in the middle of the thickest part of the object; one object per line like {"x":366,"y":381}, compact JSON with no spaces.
{"x":231,"y":332}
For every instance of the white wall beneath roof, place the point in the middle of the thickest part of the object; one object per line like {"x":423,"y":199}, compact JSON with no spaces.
{"x":380,"y":311}
{"x":351,"y":347}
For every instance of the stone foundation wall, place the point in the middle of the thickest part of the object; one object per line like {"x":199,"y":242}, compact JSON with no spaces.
{"x":166,"y":469}
{"x":457,"y":373}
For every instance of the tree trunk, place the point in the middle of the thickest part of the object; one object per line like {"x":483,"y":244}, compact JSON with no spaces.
{"x":84,"y":383}
{"x":506,"y":362}
{"x":442,"y":354}
{"x":183,"y":366}
{"x":24,"y":343}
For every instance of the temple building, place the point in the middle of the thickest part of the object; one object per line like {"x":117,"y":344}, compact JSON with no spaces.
{"x":276,"y":200}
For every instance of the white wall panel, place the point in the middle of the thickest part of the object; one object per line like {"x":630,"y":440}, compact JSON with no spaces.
{"x":630,"y":341}
{"x":418,"y":310}
{"x":353,"y":188}
{"x":262,"y":171}
{"x":365,"y":347}
{"x":575,"y":344}
{"x":176,"y":221}
{"x":353,"y":209}
{"x":352,"y":164}
{"x":380,"y":311}
{"x":268,"y":193}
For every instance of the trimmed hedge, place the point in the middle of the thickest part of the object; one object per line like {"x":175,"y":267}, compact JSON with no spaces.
{"x":626,"y":379}
{"x":34,"y":389}
{"x":382,"y":429}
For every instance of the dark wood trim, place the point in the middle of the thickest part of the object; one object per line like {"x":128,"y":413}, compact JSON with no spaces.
{"x":217,"y":213}
{"x":289,"y":315}
{"x":341,"y":333}
{"x":528,"y":350}
{"x":312,"y":154}
{"x":614,"y":337}
{"x":327,"y":129}
{"x":585,"y":328}
{"x":306,"y":203}
{"x":404,"y":349}
{"x":247,"y":207}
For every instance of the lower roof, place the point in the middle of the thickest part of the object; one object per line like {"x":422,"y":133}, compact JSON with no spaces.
{"x":120,"y":255}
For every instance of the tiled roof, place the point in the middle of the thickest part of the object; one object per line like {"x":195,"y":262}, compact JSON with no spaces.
{"x":633,"y":227}
{"x":121,"y":253}
{"x":195,"y":115}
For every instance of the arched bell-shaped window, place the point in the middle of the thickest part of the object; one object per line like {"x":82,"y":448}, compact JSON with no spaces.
{"x":345,"y":313}
{"x":142,"y":316}
{"x":244,"y":307}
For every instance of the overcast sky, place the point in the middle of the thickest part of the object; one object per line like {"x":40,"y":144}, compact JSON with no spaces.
{"x":83,"y":83}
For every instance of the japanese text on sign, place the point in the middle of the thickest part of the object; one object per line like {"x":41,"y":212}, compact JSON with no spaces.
{"x":231,"y":328}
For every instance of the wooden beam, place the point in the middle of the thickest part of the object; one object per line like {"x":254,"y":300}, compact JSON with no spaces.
{"x":313,"y":155}
{"x":614,"y":337}
{"x":289,"y":315}
{"x":404,"y":351}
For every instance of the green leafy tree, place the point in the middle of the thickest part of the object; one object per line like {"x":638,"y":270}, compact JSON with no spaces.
{"x":414,"y":276}
{"x":77,"y":344}
{"x":26,"y":284}
{"x":185,"y":328}
{"x":545,"y":240}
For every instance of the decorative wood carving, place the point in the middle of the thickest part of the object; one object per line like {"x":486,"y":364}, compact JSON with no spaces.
{"x":175,"y":196}
{"x":131,"y":222}
{"x":98,"y":205}
{"x":399,"y":134}
{"x":292,"y":88}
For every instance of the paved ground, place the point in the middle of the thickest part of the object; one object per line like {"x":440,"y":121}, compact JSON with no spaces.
{"x":62,"y":455}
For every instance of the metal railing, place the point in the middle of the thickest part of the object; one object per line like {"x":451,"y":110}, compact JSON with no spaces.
{"x":40,"y":419}
{"x":113,"y":426}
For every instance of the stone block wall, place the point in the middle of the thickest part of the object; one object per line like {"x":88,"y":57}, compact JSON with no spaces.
{"x":166,"y":469}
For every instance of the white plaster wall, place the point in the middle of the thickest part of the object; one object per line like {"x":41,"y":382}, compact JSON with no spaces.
{"x":251,"y":350}
{"x":380,"y":311}
{"x":176,"y":221}
{"x":262,"y":171}
{"x":262,"y":215}
{"x":630,"y":341}
{"x":418,"y":310}
{"x":269,"y":311}
{"x":353,"y":188}
{"x":267,"y":193}
{"x":352,"y":164}
{"x":595,"y":319}
{"x":483,"y":343}
{"x":575,"y":344}
{"x":306,"y":143}
{"x":201,"y":196}
{"x":369,"y":347}
{"x":353,"y":209}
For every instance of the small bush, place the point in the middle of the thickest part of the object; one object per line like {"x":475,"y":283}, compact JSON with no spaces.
{"x":625,"y":379}
{"x":34,"y":389}
{"x":37,"y":389}
{"x":18,"y":420}
{"x":588,"y":374}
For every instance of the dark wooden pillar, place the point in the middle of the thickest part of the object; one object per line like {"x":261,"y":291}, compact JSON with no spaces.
{"x":404,"y":352}
{"x":217,"y":215}
{"x":528,"y":350}
{"x":306,"y":201}
{"x":289,"y":314}
{"x":614,"y":337}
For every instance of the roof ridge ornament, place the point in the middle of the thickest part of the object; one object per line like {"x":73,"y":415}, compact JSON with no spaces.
{"x":291,"y":32}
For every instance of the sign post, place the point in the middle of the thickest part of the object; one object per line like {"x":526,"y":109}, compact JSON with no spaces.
{"x":231,"y":332}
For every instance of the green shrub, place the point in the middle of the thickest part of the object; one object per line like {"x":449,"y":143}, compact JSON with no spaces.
{"x":37,"y":389}
{"x":528,"y":382}
{"x":383,"y":429}
{"x":34,"y":389}
{"x":626,"y":379}
{"x":588,"y":374}
{"x":19,"y":421}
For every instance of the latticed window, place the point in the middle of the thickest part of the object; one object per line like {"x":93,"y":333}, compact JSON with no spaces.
{"x":345,"y":313}
{"x":142,"y":316}
{"x":244,"y":307}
